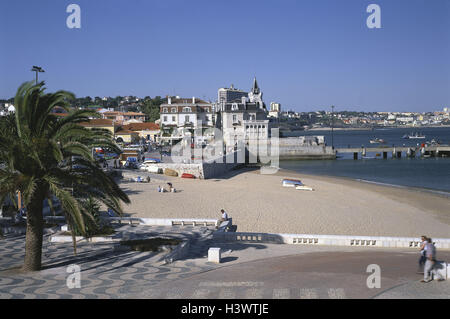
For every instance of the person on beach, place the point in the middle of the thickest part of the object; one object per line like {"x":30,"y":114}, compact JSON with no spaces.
{"x":423,"y":258}
{"x":430,"y":263}
{"x":224,"y":218}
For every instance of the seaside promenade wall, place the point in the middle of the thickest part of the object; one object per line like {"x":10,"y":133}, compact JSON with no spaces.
{"x":293,"y":148}
{"x":208,"y":169}
{"x":219,"y":167}
{"x":329,"y":240}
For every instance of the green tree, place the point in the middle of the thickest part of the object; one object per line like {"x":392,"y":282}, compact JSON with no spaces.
{"x":151,"y":108}
{"x":43,"y":156}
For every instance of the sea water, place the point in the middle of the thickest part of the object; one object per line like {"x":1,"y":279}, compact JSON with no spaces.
{"x":424,"y":173}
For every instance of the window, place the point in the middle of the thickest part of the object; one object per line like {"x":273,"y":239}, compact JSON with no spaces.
{"x":173,"y":118}
{"x":186,"y":118}
{"x":165,"y":110}
{"x":165,"y":119}
{"x":174,"y":110}
{"x":187,"y":109}
{"x":234,"y":107}
{"x":234,"y":118}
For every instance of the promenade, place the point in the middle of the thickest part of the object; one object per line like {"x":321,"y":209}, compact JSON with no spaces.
{"x":248,"y":270}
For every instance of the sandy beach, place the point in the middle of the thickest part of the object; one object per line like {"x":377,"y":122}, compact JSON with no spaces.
{"x":258,"y":203}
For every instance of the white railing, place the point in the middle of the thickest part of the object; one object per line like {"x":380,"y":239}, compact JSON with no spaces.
{"x":330,"y":240}
{"x":164,"y":221}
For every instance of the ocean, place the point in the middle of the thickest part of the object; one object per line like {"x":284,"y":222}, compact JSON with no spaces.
{"x":431,"y":174}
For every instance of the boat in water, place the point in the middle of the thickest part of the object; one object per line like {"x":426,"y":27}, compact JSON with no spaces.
{"x":377,"y":141}
{"x":414,"y":136}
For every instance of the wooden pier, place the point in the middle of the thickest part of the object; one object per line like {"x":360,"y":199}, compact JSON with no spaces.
{"x":398,"y":151}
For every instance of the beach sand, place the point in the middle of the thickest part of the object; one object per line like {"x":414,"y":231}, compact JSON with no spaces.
{"x":258,"y":203}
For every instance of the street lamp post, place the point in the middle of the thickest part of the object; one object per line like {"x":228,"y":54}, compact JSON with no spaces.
{"x":38,"y":70}
{"x":332,"y":126}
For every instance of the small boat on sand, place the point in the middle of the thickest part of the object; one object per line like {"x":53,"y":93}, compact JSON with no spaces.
{"x":291,"y":182}
{"x":170,"y":172}
{"x":152,"y":169}
{"x":304,"y":188}
{"x":150,"y":160}
{"x":186,"y":175}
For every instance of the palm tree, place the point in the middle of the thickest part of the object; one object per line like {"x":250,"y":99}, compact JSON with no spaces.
{"x":45,"y":156}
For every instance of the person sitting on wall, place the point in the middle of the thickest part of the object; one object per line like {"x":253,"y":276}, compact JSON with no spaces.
{"x":223,"y":218}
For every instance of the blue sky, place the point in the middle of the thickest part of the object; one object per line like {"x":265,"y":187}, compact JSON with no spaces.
{"x":307,"y":55}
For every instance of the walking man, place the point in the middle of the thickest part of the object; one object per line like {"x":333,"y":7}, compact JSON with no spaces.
{"x":430,"y":263}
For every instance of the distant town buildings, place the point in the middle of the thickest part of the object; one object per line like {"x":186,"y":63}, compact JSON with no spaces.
{"x":180,"y":116}
{"x":275,"y":110}
{"x":124,"y":117}
{"x":241,"y":115}
{"x":7,"y":108}
{"x":130,"y":133}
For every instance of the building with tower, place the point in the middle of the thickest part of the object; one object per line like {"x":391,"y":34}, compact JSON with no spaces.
{"x":243,"y":116}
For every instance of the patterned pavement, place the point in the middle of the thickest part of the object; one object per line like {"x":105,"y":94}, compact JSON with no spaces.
{"x":248,"y":271}
{"x":107,"y":270}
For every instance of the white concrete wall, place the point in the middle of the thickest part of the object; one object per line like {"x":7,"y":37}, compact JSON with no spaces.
{"x":211,"y":169}
{"x":330,"y":240}
{"x":165,"y":221}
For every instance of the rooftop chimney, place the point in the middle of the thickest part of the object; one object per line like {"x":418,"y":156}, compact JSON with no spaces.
{"x":169,"y":100}
{"x":193,"y":100}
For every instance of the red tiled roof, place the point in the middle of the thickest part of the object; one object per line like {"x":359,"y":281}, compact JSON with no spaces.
{"x":141,"y":127}
{"x":99,"y":122}
{"x":123,"y":113}
{"x":133,"y":114}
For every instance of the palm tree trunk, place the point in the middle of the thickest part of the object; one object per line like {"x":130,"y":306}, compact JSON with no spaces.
{"x":35,"y":231}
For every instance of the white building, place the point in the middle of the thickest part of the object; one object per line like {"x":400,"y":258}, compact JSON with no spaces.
{"x":182,"y":115}
{"x":275,"y":110}
{"x":244,"y":119}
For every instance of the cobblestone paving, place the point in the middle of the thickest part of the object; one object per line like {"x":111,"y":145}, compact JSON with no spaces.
{"x":107,"y":271}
